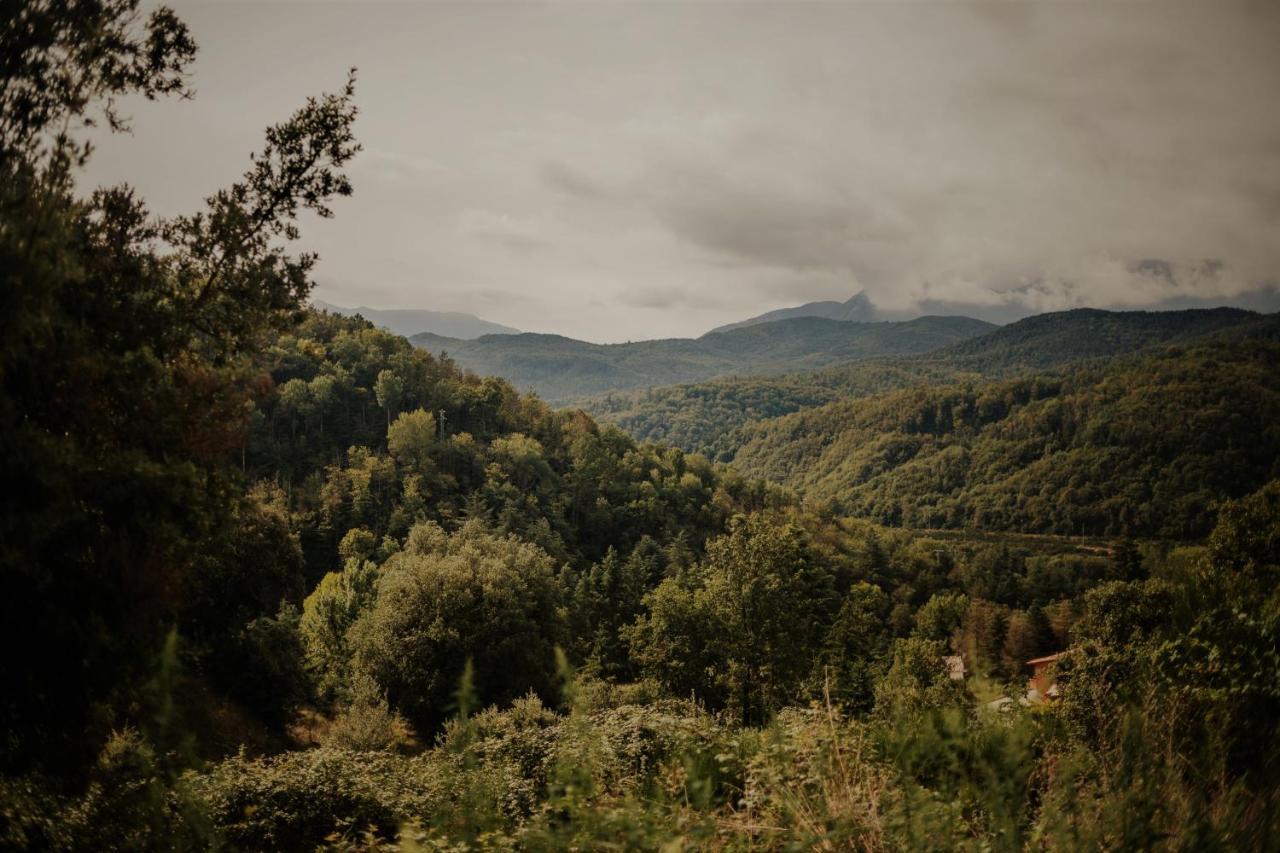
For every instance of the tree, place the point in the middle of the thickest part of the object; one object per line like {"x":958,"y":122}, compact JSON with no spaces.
{"x":390,"y":393}
{"x":988,"y":625}
{"x":855,"y":648}
{"x":268,"y":663}
{"x":606,"y":598}
{"x":243,"y":575}
{"x":942,"y":616}
{"x":324,"y":389}
{"x":1029,"y":635}
{"x":327,"y":616}
{"x":296,"y":400}
{"x":125,"y":351}
{"x":1126,"y":561}
{"x":447,"y":599}
{"x":918,"y":681}
{"x":411,"y":438}
{"x":63,"y":60}
{"x":762,"y":603}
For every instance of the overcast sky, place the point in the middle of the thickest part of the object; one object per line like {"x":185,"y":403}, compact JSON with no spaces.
{"x":616,"y":171}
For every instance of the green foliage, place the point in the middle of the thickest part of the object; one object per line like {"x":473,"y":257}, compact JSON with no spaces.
{"x":756,"y":606}
{"x":605,"y":599}
{"x":410,"y":438}
{"x":941,"y":617}
{"x":246,"y":573}
{"x":128,"y":803}
{"x":367,"y":722}
{"x":1028,"y":635}
{"x":267,"y":667}
{"x":855,"y":651}
{"x":1164,"y":737}
{"x":446,"y":599}
{"x":704,"y":418}
{"x":127,"y":377}
{"x":1138,"y":448}
{"x":189,"y":456}
{"x":1087,"y":334}
{"x":327,"y":616}
{"x":298,"y":799}
{"x":1177,"y":679}
{"x":68,"y":60}
{"x":554,"y":478}
{"x":918,"y":681}
{"x":964,"y":785}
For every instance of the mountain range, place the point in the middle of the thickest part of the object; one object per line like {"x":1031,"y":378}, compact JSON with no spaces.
{"x":411,"y":321}
{"x":709,"y":416}
{"x":559,"y":368}
{"x":806,"y":355}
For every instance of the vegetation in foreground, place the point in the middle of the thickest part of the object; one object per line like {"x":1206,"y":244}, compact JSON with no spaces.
{"x":278,"y":561}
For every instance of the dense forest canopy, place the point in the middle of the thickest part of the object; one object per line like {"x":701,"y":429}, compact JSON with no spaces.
{"x":705,"y":417}
{"x":274,"y":578}
{"x":1142,"y":449}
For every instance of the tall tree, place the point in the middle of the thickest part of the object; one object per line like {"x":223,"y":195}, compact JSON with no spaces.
{"x":761,"y":600}
{"x":125,"y":364}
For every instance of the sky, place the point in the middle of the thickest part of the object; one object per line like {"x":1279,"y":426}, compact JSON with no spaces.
{"x":618,"y":171}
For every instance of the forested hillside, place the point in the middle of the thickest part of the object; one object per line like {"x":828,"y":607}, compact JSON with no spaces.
{"x":363,"y":431}
{"x":703,"y":417}
{"x":1069,"y":337}
{"x":558,"y":368}
{"x":1140,"y":448}
{"x":275,"y":579}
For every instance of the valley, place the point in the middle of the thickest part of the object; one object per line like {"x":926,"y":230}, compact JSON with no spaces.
{"x":279,"y":574}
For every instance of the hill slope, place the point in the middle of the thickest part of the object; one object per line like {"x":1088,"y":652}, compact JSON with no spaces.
{"x":559,"y":368}
{"x":1068,"y":337}
{"x":701,"y":417}
{"x":1144,"y":447}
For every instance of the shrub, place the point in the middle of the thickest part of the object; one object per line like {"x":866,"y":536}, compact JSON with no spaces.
{"x":299,"y":799}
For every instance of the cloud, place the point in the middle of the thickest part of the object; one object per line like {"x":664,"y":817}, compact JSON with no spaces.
{"x":1098,"y":158}
{"x":398,"y":168}
{"x":634,"y":170}
{"x":569,"y":181}
{"x":513,"y":232}
{"x":673,"y":298}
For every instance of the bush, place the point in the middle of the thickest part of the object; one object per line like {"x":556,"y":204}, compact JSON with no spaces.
{"x":297,"y":800}
{"x":367,"y":723}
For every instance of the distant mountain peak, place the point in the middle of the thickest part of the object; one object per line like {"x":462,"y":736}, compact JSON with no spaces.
{"x":856,"y":309}
{"x":412,"y":321}
{"x":859,"y":308}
